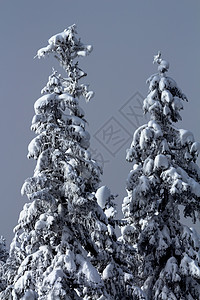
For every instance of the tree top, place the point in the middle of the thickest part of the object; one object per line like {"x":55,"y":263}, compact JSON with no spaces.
{"x":67,"y":48}
{"x":163,"y":65}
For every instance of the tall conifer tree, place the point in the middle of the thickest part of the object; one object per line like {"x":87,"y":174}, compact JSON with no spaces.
{"x":64,"y":245}
{"x":48,"y":255}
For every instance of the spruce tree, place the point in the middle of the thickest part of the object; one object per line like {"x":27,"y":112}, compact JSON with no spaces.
{"x":165,"y":176}
{"x":64,"y":245}
{"x":48,"y":255}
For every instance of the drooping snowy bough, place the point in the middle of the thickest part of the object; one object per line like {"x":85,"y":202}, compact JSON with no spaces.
{"x":165,"y":175}
{"x":64,"y":245}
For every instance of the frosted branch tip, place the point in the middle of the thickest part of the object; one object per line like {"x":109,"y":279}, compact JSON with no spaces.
{"x":163,"y":65}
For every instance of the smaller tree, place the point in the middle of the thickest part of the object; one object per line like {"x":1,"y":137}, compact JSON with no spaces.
{"x":165,"y":175}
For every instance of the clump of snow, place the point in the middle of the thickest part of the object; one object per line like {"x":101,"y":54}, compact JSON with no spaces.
{"x":164,"y":66}
{"x":166,"y":96}
{"x":195,"y":148}
{"x":29,"y":295}
{"x":55,"y":275}
{"x":161,"y":162}
{"x":110,"y":212}
{"x":177,"y":104}
{"x":103,"y":194}
{"x":128,"y":231}
{"x":171,"y":270}
{"x":35,"y":146}
{"x":108,"y":272}
{"x":148,"y":166}
{"x":157,"y":129}
{"x":87,"y":269}
{"x":23,"y":281}
{"x":42,"y":103}
{"x":144,"y":184}
{"x":186,"y":136}
{"x":145,"y":137}
{"x":189,"y":267}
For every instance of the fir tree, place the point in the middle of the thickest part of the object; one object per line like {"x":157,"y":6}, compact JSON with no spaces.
{"x":64,"y":245}
{"x":165,"y":175}
{"x":48,"y":255}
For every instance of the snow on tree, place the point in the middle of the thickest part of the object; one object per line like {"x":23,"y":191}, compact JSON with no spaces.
{"x":105,"y":201}
{"x":49,"y":253}
{"x":3,"y":250}
{"x":165,"y":175}
{"x":64,"y":245}
{"x":117,"y":273}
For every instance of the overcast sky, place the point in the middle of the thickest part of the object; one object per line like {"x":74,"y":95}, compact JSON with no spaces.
{"x":125,"y":36}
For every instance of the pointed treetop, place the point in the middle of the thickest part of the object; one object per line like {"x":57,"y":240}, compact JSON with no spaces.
{"x":164,"y":100}
{"x":67,"y":48}
{"x":163,"y":66}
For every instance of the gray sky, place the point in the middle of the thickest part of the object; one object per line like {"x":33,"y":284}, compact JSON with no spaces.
{"x":125,"y":35}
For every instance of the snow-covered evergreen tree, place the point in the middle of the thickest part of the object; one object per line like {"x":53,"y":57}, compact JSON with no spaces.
{"x":164,"y":177}
{"x":48,"y":255}
{"x":64,"y":245}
